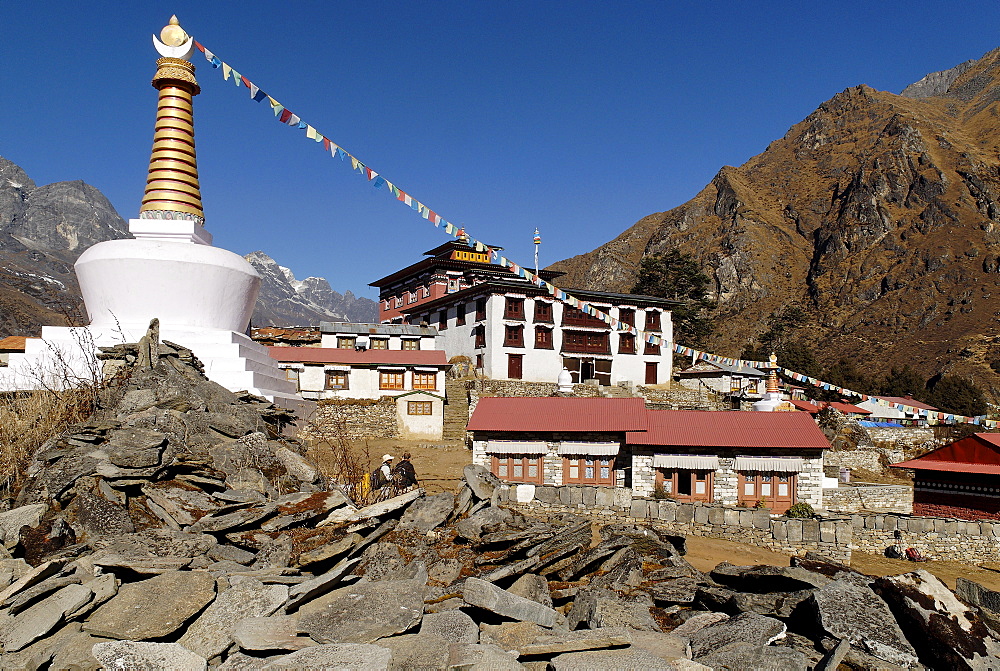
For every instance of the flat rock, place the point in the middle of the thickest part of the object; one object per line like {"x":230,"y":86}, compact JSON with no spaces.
{"x":37,"y":621}
{"x":129,"y":655}
{"x":11,"y":521}
{"x":299,"y":508}
{"x":681,"y":590}
{"x":349,"y":514}
{"x":26,"y":598}
{"x":555,"y":645}
{"x":320,"y":585}
{"x":100,"y":517}
{"x":479,"y":656}
{"x":480,"y":481}
{"x":945,"y":631}
{"x":417,"y":651}
{"x":428,"y":512}
{"x":153,"y":608}
{"x":225,"y":519}
{"x":135,"y":448}
{"x":77,"y":653}
{"x":488,"y":596}
{"x":745,"y":656}
{"x":765,"y":578}
{"x":847,"y":610}
{"x":364,"y":612}
{"x":278,"y":632}
{"x":534,"y":587}
{"x":329,"y":551}
{"x":669,"y":647}
{"x":511,"y":635}
{"x":473,"y":526}
{"x":628,"y":659}
{"x":597,"y":607}
{"x":140,"y":565}
{"x":453,"y":626}
{"x":755,"y":630}
{"x":38,"y":654}
{"x":212,"y":632}
{"x":355,"y":656}
{"x":296,"y":465}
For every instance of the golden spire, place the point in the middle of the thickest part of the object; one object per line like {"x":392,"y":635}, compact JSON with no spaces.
{"x":172,"y":190}
{"x":772,"y":379}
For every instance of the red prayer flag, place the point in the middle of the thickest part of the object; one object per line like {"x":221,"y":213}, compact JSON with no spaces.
{"x":285,"y":116}
{"x":401,"y":196}
{"x":199,"y":46}
{"x":246,"y":82}
{"x":326,"y":143}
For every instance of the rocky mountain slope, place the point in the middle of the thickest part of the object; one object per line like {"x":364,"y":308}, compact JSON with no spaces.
{"x":43,"y":229}
{"x":877,"y":215}
{"x":285,"y":301}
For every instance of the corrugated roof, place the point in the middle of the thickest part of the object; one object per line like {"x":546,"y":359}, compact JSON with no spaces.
{"x":376,"y":357}
{"x":724,"y":367}
{"x":811,"y":408}
{"x":559,"y":414}
{"x":977,"y":453}
{"x":912,"y":402}
{"x":14,"y":343}
{"x":703,"y":428}
{"x":848,"y":408}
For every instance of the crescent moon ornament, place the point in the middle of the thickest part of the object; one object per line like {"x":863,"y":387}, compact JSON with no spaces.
{"x":176,"y":43}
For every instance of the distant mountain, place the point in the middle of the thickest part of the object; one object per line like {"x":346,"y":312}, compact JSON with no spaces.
{"x":286,"y":301}
{"x":44,"y":229}
{"x":878,"y":215}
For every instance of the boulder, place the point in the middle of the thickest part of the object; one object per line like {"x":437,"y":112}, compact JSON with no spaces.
{"x":697,"y":622}
{"x":77,"y":653}
{"x":364,"y":612}
{"x":534,"y":587}
{"x":511,"y":635}
{"x":427,"y":513}
{"x":354,"y":656}
{"x":143,"y":655}
{"x":945,"y":632}
{"x":212,"y":632}
{"x":481,"y":481}
{"x":153,"y":608}
{"x":754,"y":630}
{"x":473,"y":526}
{"x":100,"y":517}
{"x":488,"y":596}
{"x":135,"y":448}
{"x":681,"y":590}
{"x":296,"y":465}
{"x":453,"y":626}
{"x":848,"y":610}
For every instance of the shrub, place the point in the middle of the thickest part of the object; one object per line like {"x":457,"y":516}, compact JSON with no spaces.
{"x":800,"y":510}
{"x":659,"y":493}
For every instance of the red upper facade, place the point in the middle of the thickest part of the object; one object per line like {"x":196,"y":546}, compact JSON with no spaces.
{"x":978,"y":453}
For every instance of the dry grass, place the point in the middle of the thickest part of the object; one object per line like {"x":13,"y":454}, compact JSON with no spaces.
{"x":338,"y":458}
{"x":28,"y":419}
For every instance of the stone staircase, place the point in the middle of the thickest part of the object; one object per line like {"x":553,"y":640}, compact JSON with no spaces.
{"x":456,"y":410}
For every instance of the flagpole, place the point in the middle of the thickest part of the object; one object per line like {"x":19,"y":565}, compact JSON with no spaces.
{"x":538,"y":241}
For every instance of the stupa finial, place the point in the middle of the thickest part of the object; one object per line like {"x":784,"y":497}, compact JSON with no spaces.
{"x":172,"y":190}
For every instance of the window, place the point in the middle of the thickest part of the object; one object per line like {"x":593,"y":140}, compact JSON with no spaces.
{"x":650,"y":348}
{"x":453,"y":286}
{"x":514,"y":366}
{"x":424,"y":380}
{"x":480,"y":309}
{"x":412,"y":296}
{"x":379,"y":343}
{"x":292,"y":375}
{"x":480,"y":332}
{"x":479,"y":361}
{"x":419,"y":408}
{"x":385,"y":305}
{"x":518,"y":468}
{"x":652,"y":320}
{"x":685,"y":484}
{"x":543,"y":312}
{"x":775,"y":490}
{"x":586,"y":342}
{"x":626,"y":316}
{"x":575,"y":317}
{"x":626,"y":343}
{"x":398,"y":300}
{"x":514,"y":309}
{"x":460,"y":314}
{"x":346,"y":342}
{"x":513,"y":336}
{"x":443,"y":320}
{"x":410,"y":343}
{"x":426,"y":291}
{"x":390,"y":379}
{"x":543,"y":337}
{"x":336,"y":379}
{"x":588,"y":470}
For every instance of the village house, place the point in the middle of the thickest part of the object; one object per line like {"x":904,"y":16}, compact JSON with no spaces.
{"x":11,"y":345}
{"x":737,"y":383}
{"x":352,"y":335}
{"x":771,"y":459}
{"x":815,"y":407}
{"x":959,"y":480}
{"x":299,"y":336}
{"x":883,"y":412}
{"x":414,"y":378}
{"x":512,"y":329}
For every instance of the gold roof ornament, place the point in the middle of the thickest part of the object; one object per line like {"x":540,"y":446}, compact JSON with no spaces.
{"x":172,"y":190}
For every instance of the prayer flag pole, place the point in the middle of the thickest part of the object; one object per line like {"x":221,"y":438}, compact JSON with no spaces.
{"x":538,"y":241}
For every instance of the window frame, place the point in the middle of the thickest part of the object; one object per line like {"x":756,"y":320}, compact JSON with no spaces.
{"x":513,"y":335}
{"x":571,"y":342}
{"x":347,"y":342}
{"x":411,"y":406}
{"x":460,"y":314}
{"x":599,"y":462}
{"x":654,"y":320}
{"x":424,"y":385}
{"x":543,"y":312}
{"x":525,"y":463}
{"x":624,"y":338}
{"x":513,"y":308}
{"x":548,"y":342}
{"x":410,"y":344}
{"x":391,"y":385}
{"x":480,"y":309}
{"x":381,"y":341}
{"x":328,"y":375}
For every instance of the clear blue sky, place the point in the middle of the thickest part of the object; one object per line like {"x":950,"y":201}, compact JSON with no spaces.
{"x":576,"y":117}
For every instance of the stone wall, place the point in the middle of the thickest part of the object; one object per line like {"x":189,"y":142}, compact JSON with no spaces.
{"x":354,"y":419}
{"x":828,"y":537}
{"x":858,"y":496}
{"x":903,"y":438}
{"x":933,"y":537}
{"x":508,"y":388}
{"x":871,"y":459}
{"x":681,"y":398}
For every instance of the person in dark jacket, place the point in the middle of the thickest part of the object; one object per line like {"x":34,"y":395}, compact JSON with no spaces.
{"x":406,"y":476}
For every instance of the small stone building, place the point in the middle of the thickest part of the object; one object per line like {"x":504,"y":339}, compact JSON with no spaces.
{"x":959,"y":480}
{"x":773,"y":459}
{"x":556,"y":440}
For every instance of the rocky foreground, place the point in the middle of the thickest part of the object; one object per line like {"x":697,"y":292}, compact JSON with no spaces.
{"x":178,"y":530}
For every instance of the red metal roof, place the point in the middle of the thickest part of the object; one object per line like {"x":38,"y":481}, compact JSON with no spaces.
{"x":848,"y":408}
{"x":978,"y":453}
{"x":811,"y":408}
{"x":703,"y":428}
{"x":13,"y":343}
{"x":540,"y":414}
{"x":377,"y":357}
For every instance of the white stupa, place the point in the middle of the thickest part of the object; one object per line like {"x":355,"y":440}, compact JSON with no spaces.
{"x":203,"y":296}
{"x":772,"y":401}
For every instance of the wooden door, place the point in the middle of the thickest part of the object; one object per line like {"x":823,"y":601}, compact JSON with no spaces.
{"x":650,"y":372}
{"x":514,"y":366}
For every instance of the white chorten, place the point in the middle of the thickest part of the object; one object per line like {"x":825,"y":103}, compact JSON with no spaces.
{"x":203,"y":296}
{"x":772,"y":400}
